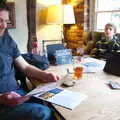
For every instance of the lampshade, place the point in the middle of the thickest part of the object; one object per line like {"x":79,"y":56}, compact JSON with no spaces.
{"x":68,"y":14}
{"x":60,"y":14}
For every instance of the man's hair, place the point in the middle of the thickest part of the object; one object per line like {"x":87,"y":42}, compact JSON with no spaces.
{"x":4,"y":6}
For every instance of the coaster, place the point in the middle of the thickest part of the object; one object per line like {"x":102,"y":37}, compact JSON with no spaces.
{"x":68,"y":83}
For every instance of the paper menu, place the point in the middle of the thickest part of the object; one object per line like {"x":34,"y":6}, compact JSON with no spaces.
{"x":64,"y":98}
{"x":51,"y":93}
{"x":40,"y":89}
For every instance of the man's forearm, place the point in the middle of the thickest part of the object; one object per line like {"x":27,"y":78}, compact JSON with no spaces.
{"x":33,"y":72}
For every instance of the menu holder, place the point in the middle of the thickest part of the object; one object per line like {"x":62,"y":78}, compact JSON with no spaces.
{"x":63,"y":56}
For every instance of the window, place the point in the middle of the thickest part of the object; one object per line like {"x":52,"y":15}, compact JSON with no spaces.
{"x":107,"y":11}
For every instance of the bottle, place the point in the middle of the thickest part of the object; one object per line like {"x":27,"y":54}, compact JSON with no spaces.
{"x":35,"y":49}
{"x":45,"y":50}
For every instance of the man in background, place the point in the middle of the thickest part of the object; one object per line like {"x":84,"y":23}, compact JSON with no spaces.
{"x":106,"y":45}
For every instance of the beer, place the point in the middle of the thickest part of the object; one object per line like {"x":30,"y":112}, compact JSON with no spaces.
{"x":78,"y":71}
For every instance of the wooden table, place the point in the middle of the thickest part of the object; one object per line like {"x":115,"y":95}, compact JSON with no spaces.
{"x":102,"y":102}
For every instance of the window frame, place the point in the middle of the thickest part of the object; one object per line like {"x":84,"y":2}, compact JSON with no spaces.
{"x":96,"y":12}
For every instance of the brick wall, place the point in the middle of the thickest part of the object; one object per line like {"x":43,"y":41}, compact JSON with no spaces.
{"x":74,"y":34}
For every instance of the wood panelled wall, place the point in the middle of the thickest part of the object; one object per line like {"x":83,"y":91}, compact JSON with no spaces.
{"x":31,"y":20}
{"x":74,"y":34}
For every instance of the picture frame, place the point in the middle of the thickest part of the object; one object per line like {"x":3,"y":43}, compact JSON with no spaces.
{"x":12,"y":17}
{"x":48,"y":42}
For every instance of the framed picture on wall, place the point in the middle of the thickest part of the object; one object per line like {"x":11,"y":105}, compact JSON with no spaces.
{"x":12,"y":18}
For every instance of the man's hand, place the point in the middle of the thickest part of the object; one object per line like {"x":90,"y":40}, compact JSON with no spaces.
{"x":12,"y":99}
{"x":50,"y":77}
